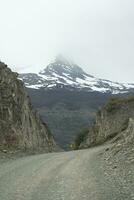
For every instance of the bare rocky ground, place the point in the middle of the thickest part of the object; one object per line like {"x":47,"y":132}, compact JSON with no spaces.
{"x":119,"y":162}
{"x":119,"y":168}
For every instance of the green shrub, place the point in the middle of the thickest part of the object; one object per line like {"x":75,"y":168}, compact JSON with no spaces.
{"x":49,"y":132}
{"x":112,"y":105}
{"x":80,"y":137}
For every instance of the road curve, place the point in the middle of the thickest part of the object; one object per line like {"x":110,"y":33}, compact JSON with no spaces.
{"x":75,"y":175}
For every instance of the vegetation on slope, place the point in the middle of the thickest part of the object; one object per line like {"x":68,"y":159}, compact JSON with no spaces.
{"x":80,"y":137}
{"x":115,"y":103}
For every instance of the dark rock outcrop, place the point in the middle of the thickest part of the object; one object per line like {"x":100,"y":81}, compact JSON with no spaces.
{"x":20,"y":126}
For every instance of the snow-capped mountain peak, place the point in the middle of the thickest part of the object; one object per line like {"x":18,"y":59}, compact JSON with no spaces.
{"x":63,"y":68}
{"x":64,"y":74}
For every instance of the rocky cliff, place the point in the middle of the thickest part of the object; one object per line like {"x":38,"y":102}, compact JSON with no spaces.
{"x":114,"y":122}
{"x":20,"y":126}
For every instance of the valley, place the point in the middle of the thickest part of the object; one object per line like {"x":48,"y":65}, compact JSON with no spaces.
{"x":66,"y":112}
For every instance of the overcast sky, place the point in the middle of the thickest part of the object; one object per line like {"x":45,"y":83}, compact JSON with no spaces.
{"x":98,"y":35}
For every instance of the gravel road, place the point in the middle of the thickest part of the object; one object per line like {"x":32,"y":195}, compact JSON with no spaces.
{"x":76,"y":175}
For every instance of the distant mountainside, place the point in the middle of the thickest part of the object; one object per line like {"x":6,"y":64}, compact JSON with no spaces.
{"x":67,"y":97}
{"x":63,"y":74}
{"x":21,"y":128}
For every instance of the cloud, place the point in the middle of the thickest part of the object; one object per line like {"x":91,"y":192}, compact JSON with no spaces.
{"x":96,"y":34}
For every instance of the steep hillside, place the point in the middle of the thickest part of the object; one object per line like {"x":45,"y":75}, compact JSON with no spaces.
{"x":113,"y":122}
{"x":20,"y":126}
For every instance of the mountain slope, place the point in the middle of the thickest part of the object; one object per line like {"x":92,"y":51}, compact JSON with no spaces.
{"x":62,"y":74}
{"x":20,"y":126}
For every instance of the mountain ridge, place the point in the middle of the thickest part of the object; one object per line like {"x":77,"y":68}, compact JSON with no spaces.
{"x":63,"y":74}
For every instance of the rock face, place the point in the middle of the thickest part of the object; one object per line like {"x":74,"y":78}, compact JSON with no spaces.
{"x":20,"y":126}
{"x":114,"y":122}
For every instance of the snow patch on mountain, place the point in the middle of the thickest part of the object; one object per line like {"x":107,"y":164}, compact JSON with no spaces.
{"x":62,"y":73}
